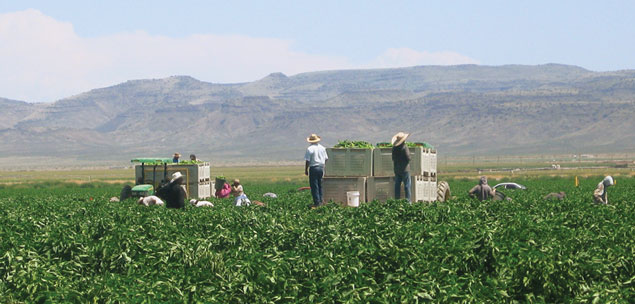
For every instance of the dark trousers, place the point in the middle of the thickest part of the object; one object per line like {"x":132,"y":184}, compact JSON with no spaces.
{"x":405,"y":178}
{"x":315,"y":181}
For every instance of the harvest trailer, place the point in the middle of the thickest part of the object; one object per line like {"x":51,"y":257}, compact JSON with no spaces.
{"x":151,"y":173}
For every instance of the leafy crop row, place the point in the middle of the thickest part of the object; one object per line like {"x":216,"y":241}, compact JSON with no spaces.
{"x":353,"y":144}
{"x":367,"y":145}
{"x":72,"y":245}
{"x":409,"y":144}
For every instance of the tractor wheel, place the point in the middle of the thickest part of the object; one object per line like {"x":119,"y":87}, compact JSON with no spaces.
{"x":443,"y":191}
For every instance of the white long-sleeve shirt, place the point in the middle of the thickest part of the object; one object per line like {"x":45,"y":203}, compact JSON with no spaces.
{"x":150,"y":200}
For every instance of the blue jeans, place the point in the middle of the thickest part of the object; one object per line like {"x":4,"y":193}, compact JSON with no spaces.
{"x":405,"y":178}
{"x":315,"y":181}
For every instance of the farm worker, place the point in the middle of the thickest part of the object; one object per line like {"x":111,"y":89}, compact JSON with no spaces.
{"x":559,"y":196}
{"x":240,"y":199}
{"x":599,"y":195}
{"x":150,"y":200}
{"x":224,"y":191}
{"x":482,"y":191}
{"x":197,"y":203}
{"x":315,"y":159}
{"x":175,"y":158}
{"x":173,"y":192}
{"x":125,"y":193}
{"x":193,"y":158}
{"x":400,"y":160}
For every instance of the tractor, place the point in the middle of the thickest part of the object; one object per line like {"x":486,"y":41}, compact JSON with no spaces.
{"x":152,"y":173}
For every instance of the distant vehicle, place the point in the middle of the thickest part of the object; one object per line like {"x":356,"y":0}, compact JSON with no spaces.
{"x":510,"y":186}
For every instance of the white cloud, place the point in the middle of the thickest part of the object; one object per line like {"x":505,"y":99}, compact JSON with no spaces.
{"x":43,"y":59}
{"x":405,"y":57}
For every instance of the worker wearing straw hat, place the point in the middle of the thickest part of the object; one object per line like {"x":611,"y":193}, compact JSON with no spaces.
{"x":400,"y":160}
{"x":173,"y":192}
{"x":315,"y":159}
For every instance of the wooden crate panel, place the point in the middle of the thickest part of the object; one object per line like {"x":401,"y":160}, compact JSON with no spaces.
{"x":335,"y":188}
{"x":349,"y":162}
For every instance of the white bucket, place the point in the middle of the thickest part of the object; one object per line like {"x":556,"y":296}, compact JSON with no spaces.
{"x":352,"y":198}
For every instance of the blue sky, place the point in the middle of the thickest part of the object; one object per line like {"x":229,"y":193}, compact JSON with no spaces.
{"x":54,"y":49}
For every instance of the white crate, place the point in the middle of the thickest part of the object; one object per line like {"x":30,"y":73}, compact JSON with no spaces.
{"x":380,"y":188}
{"x":422,"y":162}
{"x":335,"y":188}
{"x":423,"y":188}
{"x":429,"y":189}
{"x":212,"y":188}
{"x":199,"y":171}
{"x":199,"y":190}
{"x":349,"y":162}
{"x":430,"y":162}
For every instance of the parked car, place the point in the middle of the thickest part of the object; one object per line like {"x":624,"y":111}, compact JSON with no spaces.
{"x":510,"y":186}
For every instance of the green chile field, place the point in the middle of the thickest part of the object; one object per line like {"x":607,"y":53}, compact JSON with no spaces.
{"x":65,"y":243}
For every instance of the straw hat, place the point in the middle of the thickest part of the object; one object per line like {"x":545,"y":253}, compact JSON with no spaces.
{"x":399,"y":138}
{"x":177,"y":155}
{"x":313,"y":138}
{"x":175,"y":176}
{"x":236,"y":181}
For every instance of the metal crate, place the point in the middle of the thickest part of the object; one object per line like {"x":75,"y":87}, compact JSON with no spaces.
{"x":381,"y":188}
{"x":349,"y":162}
{"x":335,"y":188}
{"x":422,"y":162}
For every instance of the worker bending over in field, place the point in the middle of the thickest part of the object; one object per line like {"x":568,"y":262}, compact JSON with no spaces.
{"x":315,"y":160}
{"x":197,"y":203}
{"x":599,"y":195}
{"x":223,"y":191}
{"x":241,"y":198}
{"x":559,"y":196}
{"x":150,"y":201}
{"x":400,"y":160}
{"x":482,"y":191}
{"x":173,"y":192}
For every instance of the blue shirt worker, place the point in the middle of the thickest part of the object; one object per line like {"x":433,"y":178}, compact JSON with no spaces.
{"x":400,"y":160}
{"x":175,"y":158}
{"x":315,"y":158}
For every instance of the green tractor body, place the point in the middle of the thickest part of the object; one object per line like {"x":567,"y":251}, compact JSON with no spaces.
{"x":142,"y":190}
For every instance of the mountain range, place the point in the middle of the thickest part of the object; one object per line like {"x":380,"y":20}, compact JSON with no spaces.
{"x":462,"y":110}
